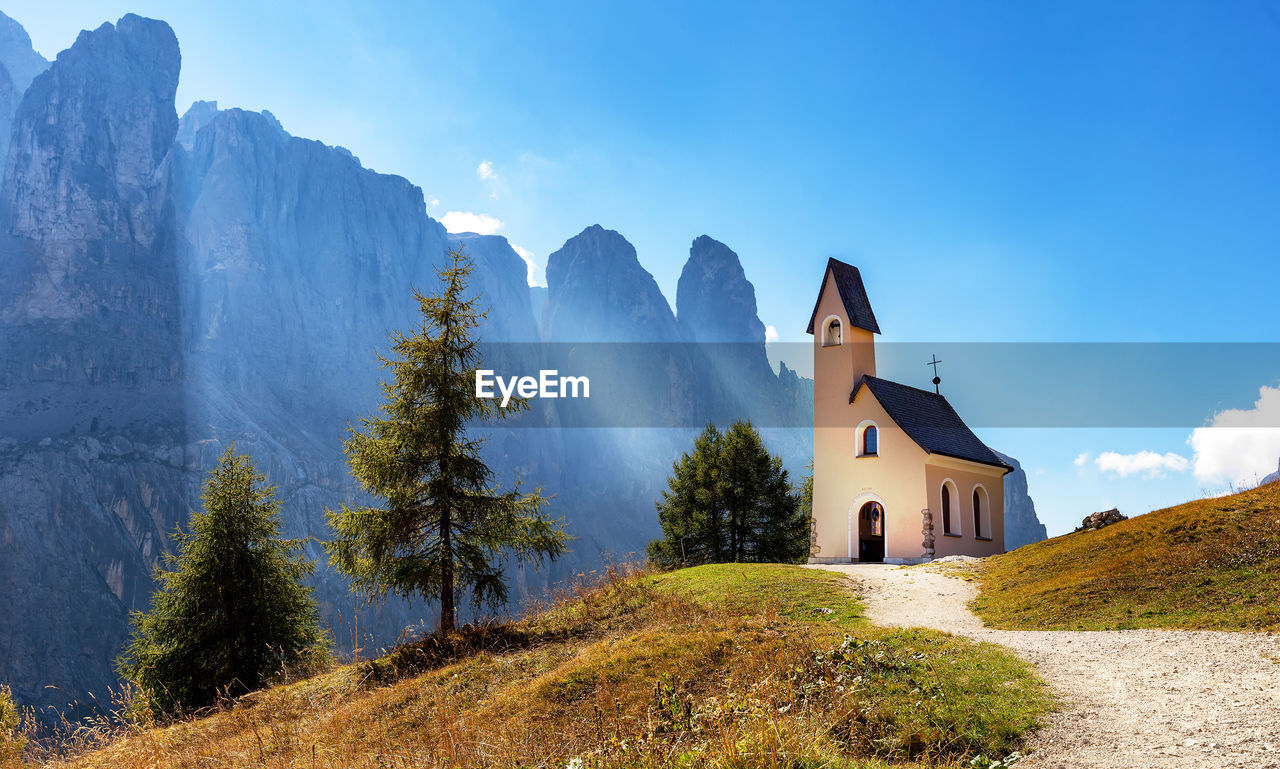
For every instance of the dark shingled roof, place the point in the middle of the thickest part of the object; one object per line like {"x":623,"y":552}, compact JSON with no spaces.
{"x":929,"y":420}
{"x":852,"y":293}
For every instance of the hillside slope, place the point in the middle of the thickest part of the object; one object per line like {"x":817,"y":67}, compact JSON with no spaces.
{"x":1209,"y":564}
{"x":731,"y":665}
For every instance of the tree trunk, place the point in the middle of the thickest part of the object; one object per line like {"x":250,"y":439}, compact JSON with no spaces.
{"x":446,"y":577}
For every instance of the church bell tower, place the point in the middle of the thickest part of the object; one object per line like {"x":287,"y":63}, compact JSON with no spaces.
{"x":843,"y":328}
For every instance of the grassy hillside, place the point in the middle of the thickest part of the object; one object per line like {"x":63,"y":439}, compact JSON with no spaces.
{"x":715,"y":666}
{"x":1209,"y":564}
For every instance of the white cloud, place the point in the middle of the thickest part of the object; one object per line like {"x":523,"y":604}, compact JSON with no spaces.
{"x":465,"y":221}
{"x":770,"y":334}
{"x":536,"y":275}
{"x":1081,"y":459}
{"x":485,"y":171}
{"x":1149,"y":463}
{"x":433,"y":202}
{"x":1239,"y":446}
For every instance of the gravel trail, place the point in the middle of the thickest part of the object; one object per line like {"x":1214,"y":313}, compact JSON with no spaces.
{"x":1129,"y":698}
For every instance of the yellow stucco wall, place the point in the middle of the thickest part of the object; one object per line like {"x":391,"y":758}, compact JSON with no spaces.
{"x":965,"y":476}
{"x":843,"y":482}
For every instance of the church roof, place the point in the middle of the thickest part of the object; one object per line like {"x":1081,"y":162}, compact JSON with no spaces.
{"x":928,"y":419}
{"x":852,"y":293}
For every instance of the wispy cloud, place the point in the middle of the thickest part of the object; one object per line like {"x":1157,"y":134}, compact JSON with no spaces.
{"x":1239,"y":446}
{"x":466,"y":221}
{"x":489,"y":177}
{"x":1147,"y":463}
{"x":536,"y":275}
{"x":1081,"y":459}
{"x":770,"y":334}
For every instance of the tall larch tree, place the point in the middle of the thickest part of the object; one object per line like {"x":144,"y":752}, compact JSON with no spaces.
{"x":444,"y":527}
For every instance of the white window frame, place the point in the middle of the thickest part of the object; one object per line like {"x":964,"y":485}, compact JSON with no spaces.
{"x":984,"y":515}
{"x":858,"y":435}
{"x":852,"y":519}
{"x":957,"y":517}
{"x":826,"y":323}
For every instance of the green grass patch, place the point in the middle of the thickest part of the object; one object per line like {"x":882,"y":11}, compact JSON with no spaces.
{"x":753,"y":588}
{"x":1212,"y":564}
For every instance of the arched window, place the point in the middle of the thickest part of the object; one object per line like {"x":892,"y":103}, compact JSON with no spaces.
{"x":981,"y":513}
{"x":831,"y":335}
{"x":946,"y":509}
{"x":873,"y":514}
{"x":977,"y":513}
{"x":870,"y":441}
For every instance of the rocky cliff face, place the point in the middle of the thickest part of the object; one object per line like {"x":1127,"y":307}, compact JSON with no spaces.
{"x":19,"y":65}
{"x":598,"y":292}
{"x":197,"y":116}
{"x":89,"y":298}
{"x":506,"y":296}
{"x":1021,"y":526}
{"x":714,"y":300}
{"x":716,"y":310}
{"x":298,"y":261}
{"x":94,"y":464}
{"x":20,"y":60}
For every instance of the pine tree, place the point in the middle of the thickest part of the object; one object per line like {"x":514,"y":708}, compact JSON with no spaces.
{"x":782,"y":530}
{"x":729,"y":500}
{"x":691,"y":512}
{"x":232,"y":611}
{"x":445,"y":527}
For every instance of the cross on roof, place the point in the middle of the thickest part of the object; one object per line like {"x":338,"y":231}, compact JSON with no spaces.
{"x":937,"y":380}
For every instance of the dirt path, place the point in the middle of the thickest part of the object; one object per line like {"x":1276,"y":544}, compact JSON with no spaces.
{"x":1130,"y":698}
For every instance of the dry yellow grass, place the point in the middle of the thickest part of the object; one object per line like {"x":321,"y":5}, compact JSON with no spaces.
{"x":718,"y":666}
{"x":1209,"y":564}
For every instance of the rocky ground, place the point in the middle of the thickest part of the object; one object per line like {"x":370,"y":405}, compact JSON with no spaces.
{"x":1129,"y":698}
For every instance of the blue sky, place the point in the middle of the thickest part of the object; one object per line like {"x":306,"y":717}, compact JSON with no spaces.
{"x":999,"y":171}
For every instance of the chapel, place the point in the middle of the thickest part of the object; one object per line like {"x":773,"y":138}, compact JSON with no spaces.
{"x":898,"y":477}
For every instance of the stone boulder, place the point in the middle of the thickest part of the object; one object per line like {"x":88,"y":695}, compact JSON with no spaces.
{"x":1095,"y":521}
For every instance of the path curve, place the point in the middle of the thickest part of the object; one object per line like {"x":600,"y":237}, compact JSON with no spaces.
{"x":1129,"y":698}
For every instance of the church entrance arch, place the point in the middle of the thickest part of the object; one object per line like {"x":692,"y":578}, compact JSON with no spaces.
{"x":871,"y":533}
{"x":867,"y":528}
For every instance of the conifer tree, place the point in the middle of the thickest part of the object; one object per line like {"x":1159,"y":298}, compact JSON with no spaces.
{"x":691,"y":511}
{"x":444,"y":527}
{"x":729,"y":500}
{"x":232,"y":609}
